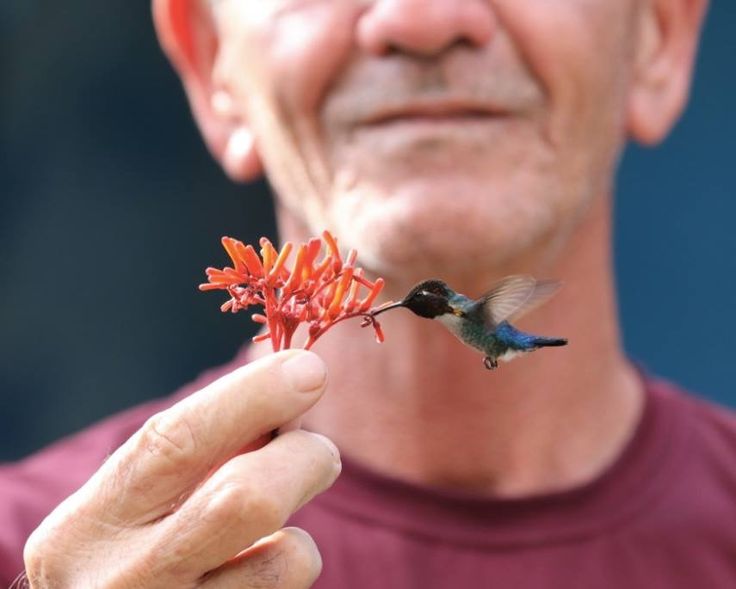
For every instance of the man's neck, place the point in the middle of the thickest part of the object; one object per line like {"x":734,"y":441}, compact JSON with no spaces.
{"x":422,"y":408}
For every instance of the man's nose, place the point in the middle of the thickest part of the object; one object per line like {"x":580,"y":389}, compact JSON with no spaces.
{"x":424,"y":27}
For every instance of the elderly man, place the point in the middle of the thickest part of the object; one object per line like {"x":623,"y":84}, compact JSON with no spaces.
{"x":459,"y":139}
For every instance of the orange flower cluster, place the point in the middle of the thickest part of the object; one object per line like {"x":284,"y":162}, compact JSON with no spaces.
{"x":319,"y":292}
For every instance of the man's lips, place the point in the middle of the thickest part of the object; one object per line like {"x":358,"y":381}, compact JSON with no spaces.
{"x":433,"y":112}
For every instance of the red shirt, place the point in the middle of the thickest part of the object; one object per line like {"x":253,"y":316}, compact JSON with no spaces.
{"x":663,"y":516}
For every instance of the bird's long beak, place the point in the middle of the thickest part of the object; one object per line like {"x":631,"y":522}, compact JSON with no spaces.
{"x":386,"y":307}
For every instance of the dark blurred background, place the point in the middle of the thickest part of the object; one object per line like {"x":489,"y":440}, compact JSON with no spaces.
{"x":110,"y":208}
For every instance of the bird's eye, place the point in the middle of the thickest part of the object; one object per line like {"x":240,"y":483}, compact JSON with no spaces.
{"x":423,"y":293}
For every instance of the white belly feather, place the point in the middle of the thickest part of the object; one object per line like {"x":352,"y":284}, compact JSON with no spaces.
{"x":455,"y":325}
{"x":451,"y":322}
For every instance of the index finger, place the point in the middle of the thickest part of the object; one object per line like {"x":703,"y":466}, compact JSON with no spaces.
{"x":176,"y":449}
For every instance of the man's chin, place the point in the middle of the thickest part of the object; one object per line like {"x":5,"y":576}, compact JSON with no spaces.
{"x":404,"y":254}
{"x":426,"y":227}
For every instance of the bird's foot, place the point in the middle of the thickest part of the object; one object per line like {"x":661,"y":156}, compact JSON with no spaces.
{"x":490,"y":363}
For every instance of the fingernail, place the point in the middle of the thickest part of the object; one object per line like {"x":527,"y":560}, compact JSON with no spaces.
{"x":306,"y":371}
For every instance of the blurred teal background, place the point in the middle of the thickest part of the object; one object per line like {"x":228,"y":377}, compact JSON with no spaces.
{"x":110,"y":208}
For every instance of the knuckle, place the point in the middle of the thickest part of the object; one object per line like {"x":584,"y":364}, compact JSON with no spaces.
{"x":33,"y":553}
{"x":302,"y":555}
{"x":289,"y":559}
{"x":170,"y":437}
{"x":244,"y":505}
{"x":224,"y":504}
{"x":39,"y":560}
{"x":263,"y":509}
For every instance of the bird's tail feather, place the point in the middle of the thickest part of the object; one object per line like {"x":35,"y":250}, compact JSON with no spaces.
{"x":542,"y":342}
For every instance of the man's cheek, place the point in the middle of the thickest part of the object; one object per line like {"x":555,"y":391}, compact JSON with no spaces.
{"x":307,"y":51}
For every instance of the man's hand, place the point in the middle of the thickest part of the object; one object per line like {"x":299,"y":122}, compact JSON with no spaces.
{"x":199,"y":495}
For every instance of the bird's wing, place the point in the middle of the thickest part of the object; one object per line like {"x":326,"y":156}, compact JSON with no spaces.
{"x":514,"y":296}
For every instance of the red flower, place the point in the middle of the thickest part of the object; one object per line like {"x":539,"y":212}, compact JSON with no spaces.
{"x":319,"y":292}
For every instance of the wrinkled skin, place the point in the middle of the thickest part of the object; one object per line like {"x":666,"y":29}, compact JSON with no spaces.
{"x":376,"y":118}
{"x":183,"y":501}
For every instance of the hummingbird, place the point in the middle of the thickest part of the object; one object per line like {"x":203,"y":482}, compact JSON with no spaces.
{"x":483,"y":323}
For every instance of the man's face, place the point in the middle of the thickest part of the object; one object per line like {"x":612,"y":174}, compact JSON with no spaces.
{"x":434,"y":136}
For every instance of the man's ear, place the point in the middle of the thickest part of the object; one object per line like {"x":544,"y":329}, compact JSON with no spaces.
{"x":666,"y":46}
{"x":188,"y":35}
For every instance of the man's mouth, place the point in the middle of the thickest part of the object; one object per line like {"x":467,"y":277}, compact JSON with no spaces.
{"x":433,"y":112}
